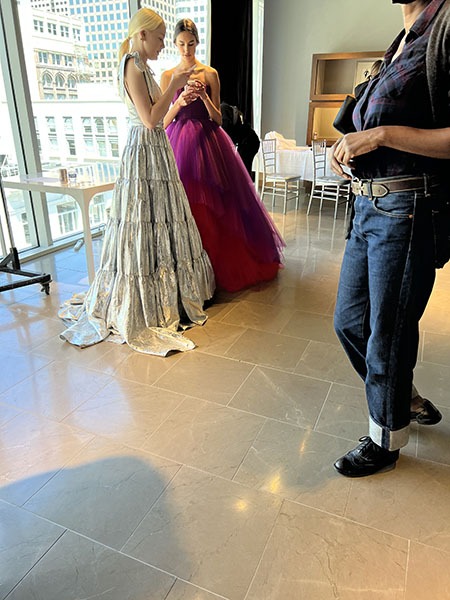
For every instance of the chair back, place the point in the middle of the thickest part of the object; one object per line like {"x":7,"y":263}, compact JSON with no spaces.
{"x":319,"y":150}
{"x":269,"y":155}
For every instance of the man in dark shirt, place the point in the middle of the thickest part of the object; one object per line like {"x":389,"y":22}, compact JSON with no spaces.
{"x":388,"y":270}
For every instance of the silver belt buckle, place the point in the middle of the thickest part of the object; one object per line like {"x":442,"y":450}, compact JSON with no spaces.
{"x":357,"y":187}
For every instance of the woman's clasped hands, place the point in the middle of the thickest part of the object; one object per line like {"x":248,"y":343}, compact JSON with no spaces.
{"x":347,"y":148}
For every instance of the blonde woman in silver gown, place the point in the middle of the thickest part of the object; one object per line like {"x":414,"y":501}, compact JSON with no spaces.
{"x":154,"y":274}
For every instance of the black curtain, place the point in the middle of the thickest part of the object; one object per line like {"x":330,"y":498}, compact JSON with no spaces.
{"x":231,"y":52}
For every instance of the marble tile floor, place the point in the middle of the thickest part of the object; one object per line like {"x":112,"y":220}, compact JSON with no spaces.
{"x":208,"y":475}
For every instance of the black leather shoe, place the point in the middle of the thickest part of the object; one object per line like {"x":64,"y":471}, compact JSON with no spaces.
{"x":366,"y":459}
{"x":427,"y":414}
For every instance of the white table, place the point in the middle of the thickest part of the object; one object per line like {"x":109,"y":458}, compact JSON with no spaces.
{"x":83,"y":191}
{"x":293,"y":161}
{"x":299,"y":161}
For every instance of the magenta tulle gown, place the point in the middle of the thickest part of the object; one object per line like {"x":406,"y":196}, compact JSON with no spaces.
{"x":237,"y":232}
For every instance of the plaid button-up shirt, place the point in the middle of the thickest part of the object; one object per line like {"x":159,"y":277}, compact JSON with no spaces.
{"x":399,"y":96}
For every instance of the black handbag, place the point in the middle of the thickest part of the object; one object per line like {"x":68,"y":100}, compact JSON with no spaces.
{"x":343,"y":121}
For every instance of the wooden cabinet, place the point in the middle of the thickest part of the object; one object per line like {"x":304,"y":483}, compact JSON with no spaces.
{"x":333,"y":76}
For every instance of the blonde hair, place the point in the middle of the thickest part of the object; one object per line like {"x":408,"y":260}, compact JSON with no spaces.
{"x":144,"y":18}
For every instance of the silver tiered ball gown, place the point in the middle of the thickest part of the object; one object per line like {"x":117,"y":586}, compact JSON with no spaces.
{"x":154,"y":274}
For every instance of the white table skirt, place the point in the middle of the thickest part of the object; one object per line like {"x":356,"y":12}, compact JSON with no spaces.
{"x":299,"y":161}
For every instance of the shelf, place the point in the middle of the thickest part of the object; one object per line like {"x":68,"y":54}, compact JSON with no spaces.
{"x":333,"y":77}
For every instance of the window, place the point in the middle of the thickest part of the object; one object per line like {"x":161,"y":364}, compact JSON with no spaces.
{"x":111,"y":123}
{"x":63,"y":62}
{"x":38,"y":25}
{"x":47,"y":80}
{"x":87,"y":124}
{"x":43,"y":57}
{"x":68,"y":123}
{"x":26,"y":228}
{"x":51,"y":125}
{"x":71,"y":145}
{"x":88,"y":144}
{"x":101,"y":145}
{"x":68,"y":219}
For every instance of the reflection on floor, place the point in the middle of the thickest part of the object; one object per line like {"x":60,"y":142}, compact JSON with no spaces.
{"x":209,"y":474}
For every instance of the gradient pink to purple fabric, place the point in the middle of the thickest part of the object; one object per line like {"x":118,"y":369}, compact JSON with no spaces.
{"x":237,"y":232}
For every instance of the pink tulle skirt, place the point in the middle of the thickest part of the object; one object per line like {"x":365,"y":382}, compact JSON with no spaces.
{"x":237,"y":232}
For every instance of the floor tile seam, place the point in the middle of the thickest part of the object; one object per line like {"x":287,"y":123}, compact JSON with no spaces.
{"x":228,"y":358}
{"x":308,"y":345}
{"x":50,"y":361}
{"x":263,"y":551}
{"x":90,"y":397}
{"x":264,"y":302}
{"x":27,"y":411}
{"x":112,"y":549}
{"x":289,"y":336}
{"x":57,"y":472}
{"x":430,"y":362}
{"x":39,"y":516}
{"x":230,"y":305}
{"x":249,"y":374}
{"x":262,"y":418}
{"x":183,"y":398}
{"x":260,"y":329}
{"x":250,"y":304}
{"x":243,"y":485}
{"x":313,"y":312}
{"x":251,"y":445}
{"x":174,"y":363}
{"x":275,"y":420}
{"x":348,"y":520}
{"x":228,"y":348}
{"x":162,"y":492}
{"x":416,"y":440}
{"x":440,"y":549}
{"x":427,"y":460}
{"x":65,"y":361}
{"x":195,"y":585}
{"x":47,"y":417}
{"x":34,"y":565}
{"x":322,"y":407}
{"x":9,"y":419}
{"x":116,"y":378}
{"x":408,"y":558}
{"x":303,"y":375}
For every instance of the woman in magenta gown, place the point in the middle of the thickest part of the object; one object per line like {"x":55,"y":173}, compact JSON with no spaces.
{"x":237,"y":232}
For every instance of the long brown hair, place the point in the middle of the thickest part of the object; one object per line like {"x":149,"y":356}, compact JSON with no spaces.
{"x":186,"y":25}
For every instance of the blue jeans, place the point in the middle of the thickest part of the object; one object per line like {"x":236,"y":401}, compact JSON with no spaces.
{"x":387,"y":276}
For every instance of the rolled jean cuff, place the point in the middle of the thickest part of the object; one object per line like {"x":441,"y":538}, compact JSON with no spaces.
{"x":389,"y":440}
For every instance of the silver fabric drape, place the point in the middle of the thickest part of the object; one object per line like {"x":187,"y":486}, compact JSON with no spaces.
{"x":154,"y":274}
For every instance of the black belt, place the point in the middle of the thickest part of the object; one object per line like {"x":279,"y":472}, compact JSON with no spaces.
{"x":378,"y":188}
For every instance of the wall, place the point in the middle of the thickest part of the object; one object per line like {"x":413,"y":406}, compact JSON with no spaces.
{"x":294,"y":30}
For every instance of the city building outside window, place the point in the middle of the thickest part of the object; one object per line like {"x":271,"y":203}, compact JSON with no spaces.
{"x":71,"y":56}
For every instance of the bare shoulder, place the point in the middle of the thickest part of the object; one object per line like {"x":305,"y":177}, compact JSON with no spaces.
{"x":132,"y":71}
{"x":166,"y":76}
{"x":211,"y":74}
